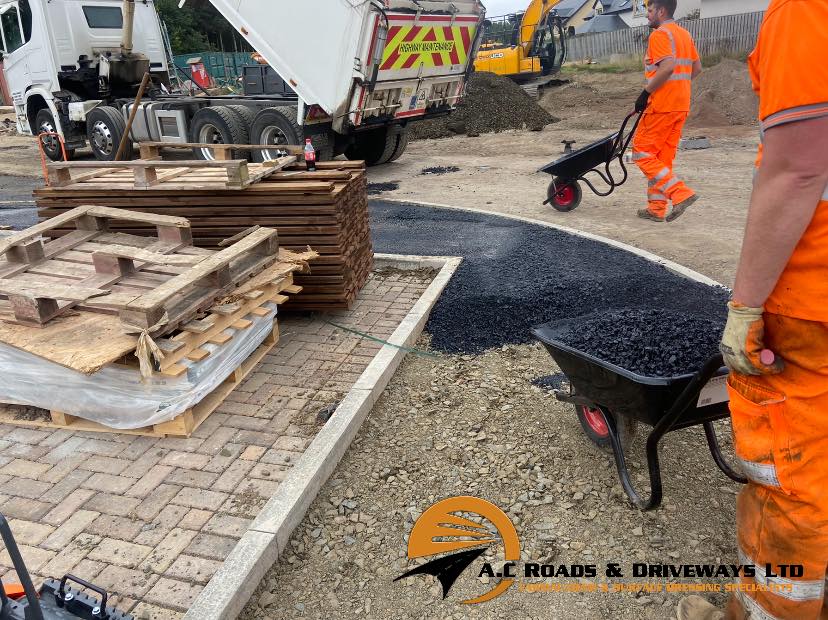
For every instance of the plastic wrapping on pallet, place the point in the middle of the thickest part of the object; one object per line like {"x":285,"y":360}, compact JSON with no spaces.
{"x":115,"y":396}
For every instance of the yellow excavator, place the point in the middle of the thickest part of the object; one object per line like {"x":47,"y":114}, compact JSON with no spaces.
{"x":527,"y":47}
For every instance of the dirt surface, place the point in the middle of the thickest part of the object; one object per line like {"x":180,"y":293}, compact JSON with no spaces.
{"x":653,"y":343}
{"x":476,"y":425}
{"x":723,"y":96}
{"x":492,"y":104}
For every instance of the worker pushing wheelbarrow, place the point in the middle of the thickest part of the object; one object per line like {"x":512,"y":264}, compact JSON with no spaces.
{"x":670,"y":65}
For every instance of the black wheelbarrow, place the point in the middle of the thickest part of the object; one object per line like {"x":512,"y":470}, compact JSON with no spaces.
{"x":611,"y":402}
{"x":564,"y":192}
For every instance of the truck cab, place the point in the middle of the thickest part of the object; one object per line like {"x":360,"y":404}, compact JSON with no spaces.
{"x":56,"y":57}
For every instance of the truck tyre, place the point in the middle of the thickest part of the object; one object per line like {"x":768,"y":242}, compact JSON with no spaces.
{"x":402,"y":143}
{"x":246,"y":116}
{"x":217,"y":125}
{"x":275,"y":126}
{"x":105,"y":126}
{"x":44,"y":121}
{"x":376,"y":147}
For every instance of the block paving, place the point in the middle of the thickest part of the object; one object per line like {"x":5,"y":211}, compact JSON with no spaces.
{"x":151,"y":519}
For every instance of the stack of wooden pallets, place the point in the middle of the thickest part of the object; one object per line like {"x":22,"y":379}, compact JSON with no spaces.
{"x":326,"y":210}
{"x":81,"y":301}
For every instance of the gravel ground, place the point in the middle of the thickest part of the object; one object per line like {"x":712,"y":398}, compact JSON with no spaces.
{"x":492,"y":104}
{"x":477,"y":425}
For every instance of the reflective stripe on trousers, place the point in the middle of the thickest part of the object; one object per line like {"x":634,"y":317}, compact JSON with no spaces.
{"x":791,"y":589}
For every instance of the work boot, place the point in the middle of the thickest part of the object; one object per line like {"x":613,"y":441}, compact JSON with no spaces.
{"x":648,"y":215}
{"x":694,"y":607}
{"x":681,"y":207}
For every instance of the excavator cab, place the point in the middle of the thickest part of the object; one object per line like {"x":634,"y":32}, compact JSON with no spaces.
{"x":527,"y":46}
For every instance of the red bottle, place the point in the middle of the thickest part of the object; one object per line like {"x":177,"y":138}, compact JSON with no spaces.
{"x":310,"y":155}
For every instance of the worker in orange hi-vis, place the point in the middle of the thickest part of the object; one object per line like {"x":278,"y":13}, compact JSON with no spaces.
{"x":776,"y":338}
{"x":670,"y":65}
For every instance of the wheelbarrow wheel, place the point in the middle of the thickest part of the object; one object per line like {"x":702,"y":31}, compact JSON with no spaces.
{"x":564,"y":195}
{"x":595,"y":427}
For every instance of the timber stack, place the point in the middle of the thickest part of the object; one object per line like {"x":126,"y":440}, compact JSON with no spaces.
{"x":147,"y":334}
{"x":325,"y":210}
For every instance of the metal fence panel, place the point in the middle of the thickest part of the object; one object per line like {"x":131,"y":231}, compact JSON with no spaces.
{"x":728,"y":34}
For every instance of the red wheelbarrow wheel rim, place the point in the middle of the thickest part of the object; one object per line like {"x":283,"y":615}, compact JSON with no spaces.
{"x":565,"y":195}
{"x":595,"y":419}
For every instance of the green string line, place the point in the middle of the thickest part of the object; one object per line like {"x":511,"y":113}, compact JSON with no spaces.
{"x":380,"y":340}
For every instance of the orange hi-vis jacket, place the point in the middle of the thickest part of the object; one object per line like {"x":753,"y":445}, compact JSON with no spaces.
{"x":792,"y":84}
{"x":671,"y":41}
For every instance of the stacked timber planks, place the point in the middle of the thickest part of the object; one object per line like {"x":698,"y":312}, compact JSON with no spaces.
{"x":326,"y":210}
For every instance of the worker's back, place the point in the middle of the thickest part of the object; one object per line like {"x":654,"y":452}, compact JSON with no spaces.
{"x":671,"y":40}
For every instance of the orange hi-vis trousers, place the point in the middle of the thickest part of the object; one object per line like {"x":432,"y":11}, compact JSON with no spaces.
{"x":654,"y":148}
{"x":780,"y":432}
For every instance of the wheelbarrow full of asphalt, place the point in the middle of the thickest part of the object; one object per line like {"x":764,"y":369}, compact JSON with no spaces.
{"x":611,"y":402}
{"x":564,"y":192}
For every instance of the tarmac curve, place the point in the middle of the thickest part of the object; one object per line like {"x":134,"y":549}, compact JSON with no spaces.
{"x":516,"y":276}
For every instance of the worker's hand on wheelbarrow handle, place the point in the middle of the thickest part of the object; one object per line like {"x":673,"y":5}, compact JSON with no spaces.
{"x":743,"y":345}
{"x":641,"y":102}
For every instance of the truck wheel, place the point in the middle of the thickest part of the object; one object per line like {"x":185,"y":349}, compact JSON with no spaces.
{"x":105,"y":126}
{"x":217,"y":126}
{"x":376,"y":147}
{"x":275,"y":126}
{"x":402,"y":143}
{"x":246,"y":116}
{"x":44,"y":121}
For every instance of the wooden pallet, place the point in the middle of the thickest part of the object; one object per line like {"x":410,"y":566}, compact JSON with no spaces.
{"x":147,"y":174}
{"x":326,"y":210}
{"x":182,"y":425}
{"x":145,"y":280}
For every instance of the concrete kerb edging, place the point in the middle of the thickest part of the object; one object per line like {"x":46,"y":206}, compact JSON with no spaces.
{"x":259,"y":548}
{"x":654,"y":258}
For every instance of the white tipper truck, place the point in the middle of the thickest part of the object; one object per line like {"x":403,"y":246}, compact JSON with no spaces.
{"x":360,"y":71}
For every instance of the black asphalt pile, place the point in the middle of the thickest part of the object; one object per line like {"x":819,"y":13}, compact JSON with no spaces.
{"x":550,"y":382}
{"x":378,"y":188}
{"x":439,"y":170}
{"x":653,"y":343}
{"x":492,"y":104}
{"x":515,"y":276}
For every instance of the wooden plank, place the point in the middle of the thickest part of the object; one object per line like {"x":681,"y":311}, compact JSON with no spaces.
{"x":293,"y":149}
{"x":238,"y":236}
{"x":49,"y":291}
{"x":153,"y":258}
{"x":198,"y":327}
{"x":203,"y":269}
{"x":38,"y":229}
{"x":135,"y":216}
{"x":196,"y":355}
{"x":137,"y":164}
{"x":93,"y":174}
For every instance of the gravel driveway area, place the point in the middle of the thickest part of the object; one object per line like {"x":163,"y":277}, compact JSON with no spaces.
{"x":473,"y":423}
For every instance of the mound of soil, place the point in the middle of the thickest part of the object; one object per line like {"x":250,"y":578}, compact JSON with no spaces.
{"x":492,"y":104}
{"x":654,"y":343}
{"x":722,"y":96}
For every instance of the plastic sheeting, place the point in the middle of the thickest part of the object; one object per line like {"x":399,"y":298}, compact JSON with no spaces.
{"x":116,"y":397}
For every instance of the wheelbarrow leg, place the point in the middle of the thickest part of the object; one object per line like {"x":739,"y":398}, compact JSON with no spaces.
{"x":652,"y":465}
{"x":715,"y":451}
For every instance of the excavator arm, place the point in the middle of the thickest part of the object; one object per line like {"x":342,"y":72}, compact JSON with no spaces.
{"x":535,"y":16}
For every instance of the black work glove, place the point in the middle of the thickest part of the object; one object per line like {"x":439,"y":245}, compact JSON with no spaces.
{"x":641,"y":102}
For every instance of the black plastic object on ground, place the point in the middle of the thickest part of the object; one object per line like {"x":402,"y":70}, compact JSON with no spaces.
{"x":56,"y":600}
{"x":378,"y":188}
